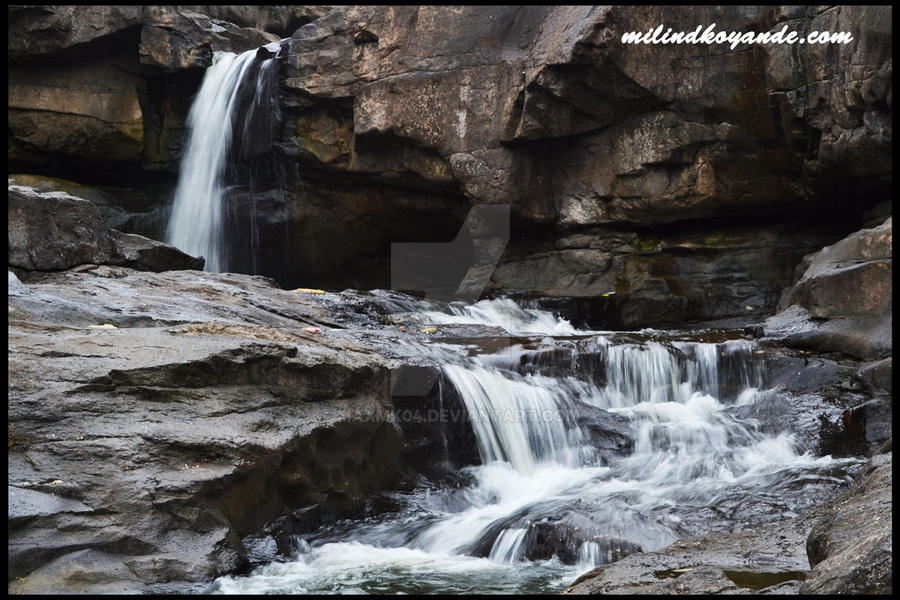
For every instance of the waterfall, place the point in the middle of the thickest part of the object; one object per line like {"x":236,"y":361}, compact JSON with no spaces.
{"x":552,"y":496}
{"x":523,"y":421}
{"x":508,"y":547}
{"x":196,"y":225}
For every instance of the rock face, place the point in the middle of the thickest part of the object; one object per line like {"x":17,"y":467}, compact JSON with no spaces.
{"x":843,"y":301}
{"x":576,"y":130}
{"x":692,"y":191}
{"x":850,"y":546}
{"x":848,"y":542}
{"x":764,"y":560}
{"x":53,"y":231}
{"x":143,"y":451}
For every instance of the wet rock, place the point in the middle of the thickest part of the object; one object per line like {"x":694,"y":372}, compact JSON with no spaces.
{"x":850,"y":546}
{"x":180,"y":38}
{"x":572,"y":537}
{"x":843,"y":301}
{"x":869,"y":425}
{"x":877,"y":376}
{"x":56,"y":231}
{"x":740,"y":562}
{"x":145,"y":254}
{"x":437,"y":431}
{"x":611,"y":435}
{"x":52,"y":231}
{"x":156,"y":449}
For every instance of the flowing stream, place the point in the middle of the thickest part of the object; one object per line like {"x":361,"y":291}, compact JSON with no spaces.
{"x":579,"y":466}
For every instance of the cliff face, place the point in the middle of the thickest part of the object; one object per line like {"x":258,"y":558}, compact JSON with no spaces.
{"x":691,"y":179}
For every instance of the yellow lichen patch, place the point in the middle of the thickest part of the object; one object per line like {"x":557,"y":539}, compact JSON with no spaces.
{"x":429,"y":330}
{"x":104,"y":326}
{"x":242,"y":331}
{"x":309,"y":291}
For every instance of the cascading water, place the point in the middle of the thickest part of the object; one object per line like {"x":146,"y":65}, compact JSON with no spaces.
{"x":551,"y":498}
{"x":196,"y":225}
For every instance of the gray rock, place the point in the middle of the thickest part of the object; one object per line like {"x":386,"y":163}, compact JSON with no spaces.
{"x":144,"y":254}
{"x":843,"y":302}
{"x":740,"y":562}
{"x":141,"y":453}
{"x":850,"y":547}
{"x":877,"y":376}
{"x":55,"y":231}
{"x":52,"y":231}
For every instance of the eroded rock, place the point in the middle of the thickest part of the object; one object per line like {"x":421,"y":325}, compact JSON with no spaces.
{"x":850,"y":546}
{"x":843,"y":301}
{"x":53,"y":231}
{"x":157,"y":448}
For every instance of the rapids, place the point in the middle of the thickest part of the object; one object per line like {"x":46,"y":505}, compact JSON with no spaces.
{"x":546,"y":503}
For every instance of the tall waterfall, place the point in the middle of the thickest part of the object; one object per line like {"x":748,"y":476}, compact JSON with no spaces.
{"x":196,"y":224}
{"x":552,"y":497}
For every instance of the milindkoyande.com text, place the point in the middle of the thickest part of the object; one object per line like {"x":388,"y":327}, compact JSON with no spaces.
{"x":663,"y":35}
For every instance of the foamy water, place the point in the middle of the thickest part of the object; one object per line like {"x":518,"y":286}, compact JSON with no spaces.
{"x":694,"y":467}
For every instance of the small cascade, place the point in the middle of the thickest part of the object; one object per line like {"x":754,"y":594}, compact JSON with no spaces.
{"x":226,"y":122}
{"x":589,"y":555}
{"x":508,"y":547}
{"x":521,"y":420}
{"x":558,"y":490}
{"x":505,"y":313}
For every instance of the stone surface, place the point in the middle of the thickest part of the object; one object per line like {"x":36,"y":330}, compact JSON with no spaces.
{"x":142,"y":451}
{"x":734,"y":563}
{"x":130,"y":209}
{"x":843,"y":301}
{"x":91,"y":110}
{"x":878,"y":376}
{"x":53,"y":231}
{"x":850,"y":548}
{"x":145,"y":254}
{"x":843,"y":546}
{"x":47,"y":30}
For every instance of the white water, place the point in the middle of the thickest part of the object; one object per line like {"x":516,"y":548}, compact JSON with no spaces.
{"x":196,"y":224}
{"x":694,"y":468}
{"x":505,"y":313}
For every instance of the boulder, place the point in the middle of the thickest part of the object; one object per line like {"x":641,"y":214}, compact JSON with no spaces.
{"x":131,"y":209}
{"x":56,"y":231}
{"x":145,"y":254}
{"x":843,"y":301}
{"x":850,"y":546}
{"x":877,"y":376}
{"x":53,"y":231}
{"x":199,"y":410}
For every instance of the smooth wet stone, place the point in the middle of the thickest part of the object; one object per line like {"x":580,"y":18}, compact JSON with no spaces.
{"x":850,"y":547}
